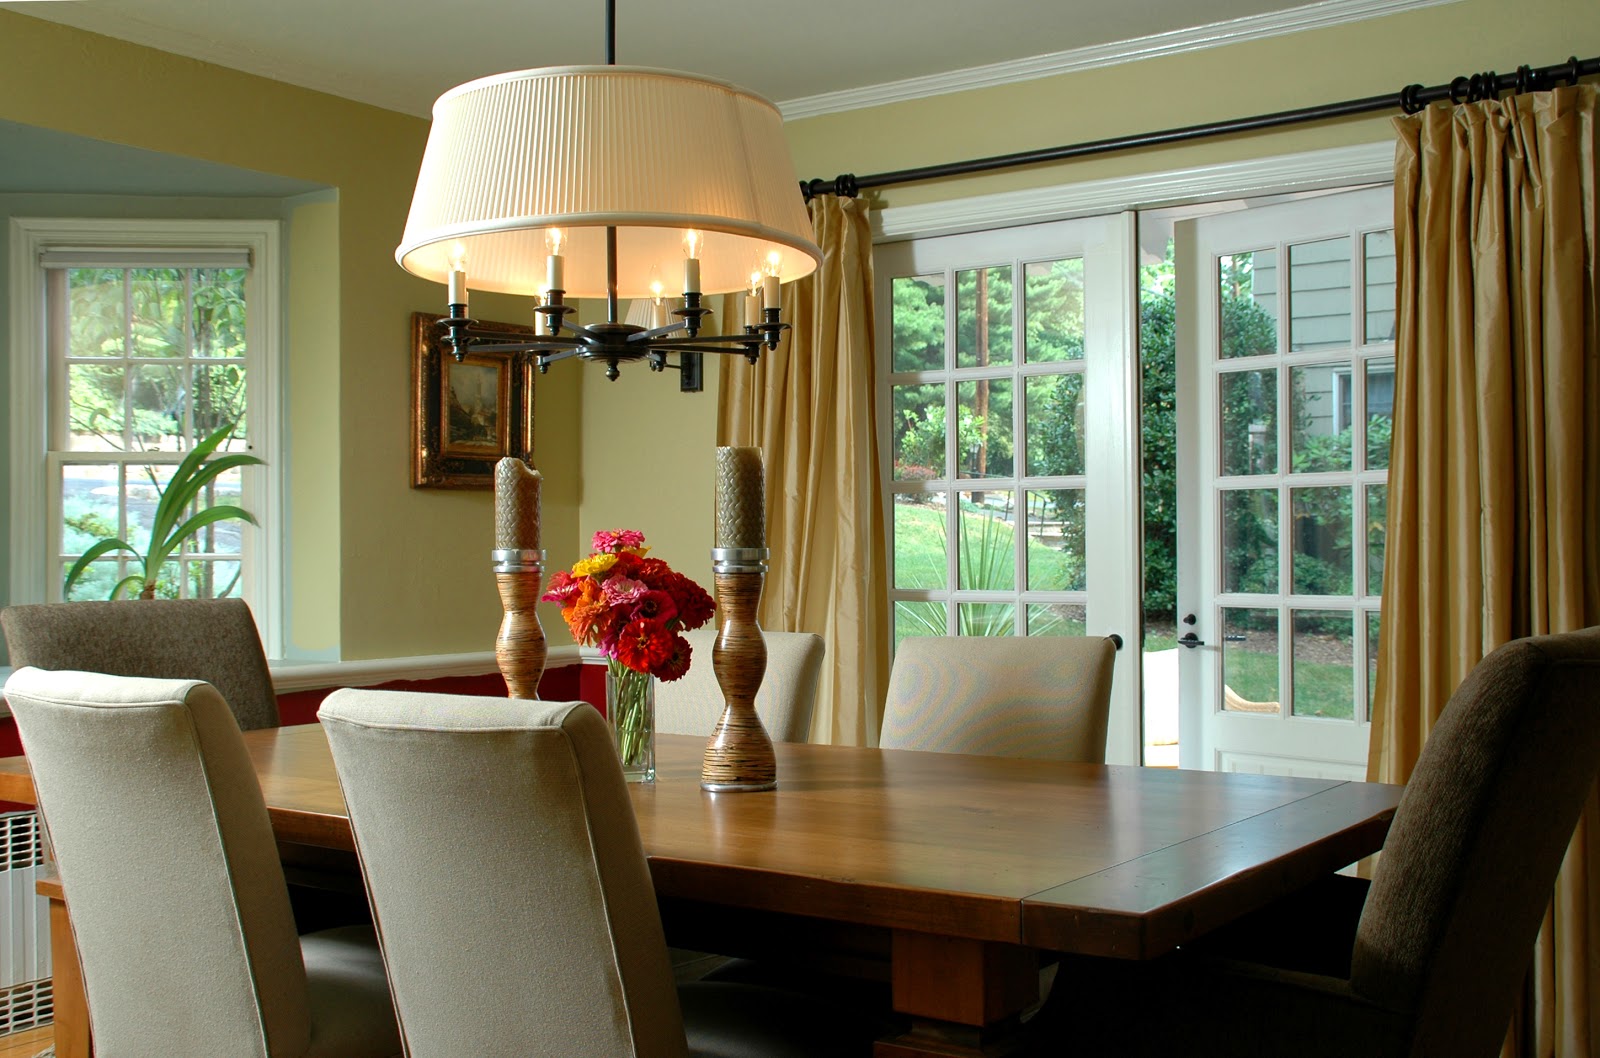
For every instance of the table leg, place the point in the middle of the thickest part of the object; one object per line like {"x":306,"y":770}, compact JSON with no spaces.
{"x":964,"y":997}
{"x":71,"y":1007}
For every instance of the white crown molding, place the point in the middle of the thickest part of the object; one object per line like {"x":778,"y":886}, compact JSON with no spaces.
{"x":290,"y":676}
{"x":1172,"y":42}
{"x":1311,"y":170}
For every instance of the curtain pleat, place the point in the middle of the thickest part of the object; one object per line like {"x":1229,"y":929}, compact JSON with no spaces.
{"x":1494,"y":481}
{"x":810,"y":405}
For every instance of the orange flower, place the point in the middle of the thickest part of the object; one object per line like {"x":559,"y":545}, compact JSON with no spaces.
{"x":585,"y":610}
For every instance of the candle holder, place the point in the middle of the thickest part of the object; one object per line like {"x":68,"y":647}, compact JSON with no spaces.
{"x":739,"y":756}
{"x":519,"y":649}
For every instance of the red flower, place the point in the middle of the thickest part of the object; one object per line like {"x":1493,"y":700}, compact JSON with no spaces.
{"x":653,"y":571}
{"x":627,"y":565}
{"x":655,"y":605}
{"x":695,"y":607}
{"x":677,"y":662}
{"x":644,"y":645}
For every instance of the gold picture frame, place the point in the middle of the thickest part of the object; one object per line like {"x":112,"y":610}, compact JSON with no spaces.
{"x":466,"y":416}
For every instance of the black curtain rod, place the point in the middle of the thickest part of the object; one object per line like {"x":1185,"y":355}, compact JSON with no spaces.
{"x":1410,"y":99}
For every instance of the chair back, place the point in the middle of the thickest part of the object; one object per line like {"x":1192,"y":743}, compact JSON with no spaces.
{"x":1047,"y":697}
{"x":692,"y":705}
{"x":167,"y":859}
{"x":508,"y":882}
{"x":1471,"y":858}
{"x":214,"y":640}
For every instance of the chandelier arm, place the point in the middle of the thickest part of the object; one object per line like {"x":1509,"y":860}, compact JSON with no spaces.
{"x":563,"y":354}
{"x":530,"y":347}
{"x":747,"y":349}
{"x":656,"y":332}
{"x":672,"y":344}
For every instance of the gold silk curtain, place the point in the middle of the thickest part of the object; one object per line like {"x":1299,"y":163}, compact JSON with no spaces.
{"x":810,"y":405}
{"x":1494,"y":481}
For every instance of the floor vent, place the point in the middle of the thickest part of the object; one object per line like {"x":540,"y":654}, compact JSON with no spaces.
{"x":24,"y":926}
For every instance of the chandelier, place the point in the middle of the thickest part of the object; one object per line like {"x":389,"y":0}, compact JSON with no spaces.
{"x":609,"y":181}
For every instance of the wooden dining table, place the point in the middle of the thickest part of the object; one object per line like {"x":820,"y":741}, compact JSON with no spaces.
{"x":950,"y":877}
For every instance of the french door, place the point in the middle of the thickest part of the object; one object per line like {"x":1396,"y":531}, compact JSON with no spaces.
{"x":1009,"y":393}
{"x":1285,"y":386}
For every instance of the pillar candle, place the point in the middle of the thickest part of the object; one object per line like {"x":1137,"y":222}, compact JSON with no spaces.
{"x":741,"y":498}
{"x":516,"y":505}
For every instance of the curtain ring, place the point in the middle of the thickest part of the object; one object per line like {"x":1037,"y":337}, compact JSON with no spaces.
{"x":1458,"y":90}
{"x":1574,"y":71}
{"x":1524,"y":80}
{"x":845,"y":185}
{"x":1409,"y":103}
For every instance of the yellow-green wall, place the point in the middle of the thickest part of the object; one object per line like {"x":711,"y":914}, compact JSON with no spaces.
{"x":405,"y":570}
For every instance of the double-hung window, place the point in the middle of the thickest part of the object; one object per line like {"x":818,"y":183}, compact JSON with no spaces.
{"x":144,"y":339}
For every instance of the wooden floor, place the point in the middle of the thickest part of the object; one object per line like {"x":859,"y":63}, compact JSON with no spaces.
{"x":25,"y":1044}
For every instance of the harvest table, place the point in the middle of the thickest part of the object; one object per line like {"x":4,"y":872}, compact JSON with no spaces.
{"x":950,"y":874}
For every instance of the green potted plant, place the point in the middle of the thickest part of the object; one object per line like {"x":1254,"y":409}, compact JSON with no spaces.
{"x":170,"y":528}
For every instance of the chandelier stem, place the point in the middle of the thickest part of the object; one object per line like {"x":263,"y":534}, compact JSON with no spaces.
{"x":611,"y":273}
{"x":611,"y":32}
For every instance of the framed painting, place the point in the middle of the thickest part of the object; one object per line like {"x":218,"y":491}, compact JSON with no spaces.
{"x":466,"y":416}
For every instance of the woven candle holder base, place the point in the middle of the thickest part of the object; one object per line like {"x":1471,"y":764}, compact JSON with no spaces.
{"x":739,"y":757}
{"x":520,"y":648}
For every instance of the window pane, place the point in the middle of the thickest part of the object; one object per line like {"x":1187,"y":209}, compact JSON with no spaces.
{"x":95,"y":407}
{"x":1377,"y":517}
{"x":983,"y":316}
{"x":988,"y":535}
{"x":1319,"y":294}
{"x":1380,"y":411}
{"x":1055,"y":540}
{"x":918,"y":619}
{"x":986,"y":619}
{"x":96,"y":302}
{"x":1250,"y":660}
{"x":220,"y":538}
{"x":219,"y":399}
{"x":1248,"y":303}
{"x":983,"y":439}
{"x":1055,"y":424}
{"x":156,"y":393}
{"x":219,"y":312}
{"x":920,"y":556}
{"x":1057,"y":619}
{"x":1250,"y":422}
{"x":212,"y":580}
{"x":159,"y":312}
{"x":90,"y":511}
{"x":1250,"y":540}
{"x":919,"y":439}
{"x":1321,"y":427}
{"x":143,"y":488}
{"x":1053,"y":302}
{"x":1324,"y":664}
{"x":1322,"y":552}
{"x":1377,"y":250}
{"x":918,"y":315}
{"x":96,"y":582}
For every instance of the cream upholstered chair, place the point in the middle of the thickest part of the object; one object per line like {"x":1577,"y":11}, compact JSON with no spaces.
{"x":1431,"y":962}
{"x":692,"y":705}
{"x":509,"y":885}
{"x":171,"y":877}
{"x":1040,"y":696}
{"x":214,"y":640}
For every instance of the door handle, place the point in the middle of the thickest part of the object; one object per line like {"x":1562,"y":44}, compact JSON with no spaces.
{"x":1190,"y":640}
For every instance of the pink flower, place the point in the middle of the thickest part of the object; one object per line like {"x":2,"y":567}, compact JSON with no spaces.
{"x":563,"y":586}
{"x":622,"y":591}
{"x":611,"y":541}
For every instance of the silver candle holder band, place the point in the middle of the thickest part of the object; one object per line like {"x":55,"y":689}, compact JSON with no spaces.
{"x":518,"y":559}
{"x":739,"y":559}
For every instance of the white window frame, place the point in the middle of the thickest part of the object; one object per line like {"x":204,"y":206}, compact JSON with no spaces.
{"x":33,"y":497}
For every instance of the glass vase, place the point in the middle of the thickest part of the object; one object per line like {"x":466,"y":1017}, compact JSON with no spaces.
{"x":631,"y":712}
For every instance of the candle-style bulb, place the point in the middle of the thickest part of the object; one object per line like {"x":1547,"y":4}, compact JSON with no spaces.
{"x":555,"y":264}
{"x":769,"y":281}
{"x":691,"y":262}
{"x":458,"y":276}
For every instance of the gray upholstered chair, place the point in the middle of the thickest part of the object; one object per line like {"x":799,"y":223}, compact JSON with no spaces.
{"x":692,"y":705}
{"x":214,"y":640}
{"x":1440,"y":947}
{"x":1047,"y":697}
{"x":172,"y":881}
{"x":513,"y":901}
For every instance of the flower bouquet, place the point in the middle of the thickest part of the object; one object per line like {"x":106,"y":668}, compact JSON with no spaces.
{"x":633,"y":608}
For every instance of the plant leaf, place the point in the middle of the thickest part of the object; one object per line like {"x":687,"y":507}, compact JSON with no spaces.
{"x":95,"y":551}
{"x":182,"y":492}
{"x":126,"y":582}
{"x":223,"y":513}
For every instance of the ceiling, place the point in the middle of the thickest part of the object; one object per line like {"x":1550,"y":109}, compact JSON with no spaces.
{"x":401,"y":54}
